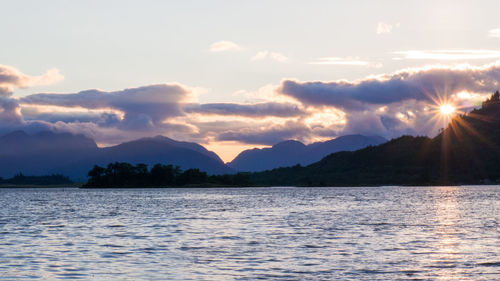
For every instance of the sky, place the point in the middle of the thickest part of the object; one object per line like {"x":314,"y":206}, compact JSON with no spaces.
{"x":233,"y":75}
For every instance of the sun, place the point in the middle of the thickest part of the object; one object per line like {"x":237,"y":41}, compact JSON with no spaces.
{"x":446,"y":109}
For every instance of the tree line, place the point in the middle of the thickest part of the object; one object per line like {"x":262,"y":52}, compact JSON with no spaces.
{"x":121,"y":174}
{"x":21,"y":179}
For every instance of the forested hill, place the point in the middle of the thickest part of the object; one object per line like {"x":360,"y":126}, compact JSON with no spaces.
{"x":466,"y":152}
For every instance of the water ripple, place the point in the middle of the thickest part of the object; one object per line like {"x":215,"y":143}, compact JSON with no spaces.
{"x":368,"y":233}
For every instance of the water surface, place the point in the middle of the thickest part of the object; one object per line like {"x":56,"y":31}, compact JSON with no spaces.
{"x":354,"y":233}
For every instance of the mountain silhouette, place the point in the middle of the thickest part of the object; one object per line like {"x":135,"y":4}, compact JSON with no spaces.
{"x":152,"y":151}
{"x":40,"y":153}
{"x":74,"y":155}
{"x":290,"y":153}
{"x":467,"y":151}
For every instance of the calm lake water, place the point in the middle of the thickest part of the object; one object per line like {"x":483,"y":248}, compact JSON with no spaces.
{"x":355,"y":233}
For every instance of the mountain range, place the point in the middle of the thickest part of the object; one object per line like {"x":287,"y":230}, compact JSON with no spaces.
{"x":74,"y":155}
{"x":71,"y":155}
{"x":290,"y":153}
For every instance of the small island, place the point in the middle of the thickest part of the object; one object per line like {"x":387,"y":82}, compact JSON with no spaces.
{"x":20,"y":180}
{"x":127,"y":175}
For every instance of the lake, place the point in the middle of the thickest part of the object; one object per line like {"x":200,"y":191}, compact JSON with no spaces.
{"x":351,"y":233}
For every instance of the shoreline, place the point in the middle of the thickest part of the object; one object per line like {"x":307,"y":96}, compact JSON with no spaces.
{"x":78,"y":186}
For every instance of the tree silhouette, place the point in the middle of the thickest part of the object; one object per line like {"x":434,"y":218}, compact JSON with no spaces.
{"x":495,"y":98}
{"x":164,"y":175}
{"x":126,"y":175}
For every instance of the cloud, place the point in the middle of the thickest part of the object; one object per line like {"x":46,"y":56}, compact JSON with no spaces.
{"x":249,"y":110}
{"x":394,"y":104}
{"x":222,"y":46}
{"x":11,"y":78}
{"x":411,"y":84}
{"x":275,"y":56}
{"x":383,"y":27}
{"x":345,"y":61}
{"x":393,"y":120}
{"x":143,"y":107}
{"x":267,"y":135}
{"x":494,"y":32}
{"x":266,"y":93}
{"x":449,"y":54}
{"x":31,"y":113}
{"x":9,"y":111}
{"x":50,"y":77}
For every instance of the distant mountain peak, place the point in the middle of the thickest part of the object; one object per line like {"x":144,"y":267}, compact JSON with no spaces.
{"x":289,"y":144}
{"x":161,"y":137}
{"x":180,"y":144}
{"x":291,"y":152}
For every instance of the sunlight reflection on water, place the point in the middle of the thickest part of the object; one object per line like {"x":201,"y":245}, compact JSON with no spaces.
{"x":363,"y":233}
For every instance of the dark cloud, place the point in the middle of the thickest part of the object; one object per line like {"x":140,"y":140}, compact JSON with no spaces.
{"x":143,"y":107}
{"x":369,"y":123}
{"x":102,"y":119}
{"x":421,"y":85}
{"x":248,"y":110}
{"x":113,"y":117}
{"x":9,"y":111}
